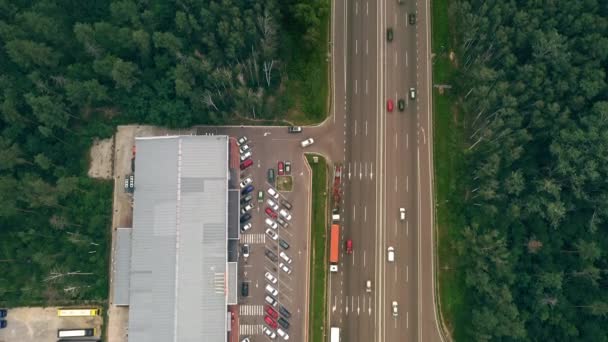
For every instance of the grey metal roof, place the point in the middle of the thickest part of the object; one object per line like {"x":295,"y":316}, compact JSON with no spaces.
{"x":178,"y":262}
{"x":232,"y":283}
{"x":122,"y":266}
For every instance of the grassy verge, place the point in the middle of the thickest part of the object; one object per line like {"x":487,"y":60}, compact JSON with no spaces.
{"x":307,"y":86}
{"x":449,"y":171}
{"x":318,"y":265}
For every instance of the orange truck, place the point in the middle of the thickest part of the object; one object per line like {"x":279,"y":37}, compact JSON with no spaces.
{"x":334,"y":248}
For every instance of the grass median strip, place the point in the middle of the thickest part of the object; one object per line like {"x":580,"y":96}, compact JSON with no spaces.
{"x":318,"y":262}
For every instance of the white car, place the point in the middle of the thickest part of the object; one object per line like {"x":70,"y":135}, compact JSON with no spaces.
{"x":240,"y":141}
{"x":271,"y":290}
{"x":285,"y":257}
{"x":413,"y":93}
{"x":283,"y":334}
{"x":246,"y":227}
{"x":245,"y":155}
{"x":246,"y":339}
{"x":246,"y":208}
{"x":271,"y":301}
{"x":246,"y":182}
{"x":272,"y":234}
{"x":402,"y":214}
{"x":270,"y":277}
{"x":285,"y":214}
{"x":269,"y":333}
{"x":391,"y":254}
{"x":246,"y":250}
{"x":244,"y":148}
{"x":272,"y":192}
{"x":307,"y":142}
{"x":270,"y":223}
{"x":395,"y":309}
{"x":272,"y":204}
{"x":285,"y":268}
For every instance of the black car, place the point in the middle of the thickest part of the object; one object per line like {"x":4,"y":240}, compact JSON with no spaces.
{"x":282,"y":222}
{"x":3,"y":313}
{"x":249,"y":188}
{"x":245,"y":289}
{"x":412,"y":18}
{"x":284,"y":312}
{"x":389,"y":34}
{"x":283,"y":244}
{"x":286,"y":204}
{"x":294,"y":129}
{"x":3,"y":324}
{"x":283,"y":322}
{"x":270,"y":255}
{"x":245,"y":218}
{"x":401,"y":105}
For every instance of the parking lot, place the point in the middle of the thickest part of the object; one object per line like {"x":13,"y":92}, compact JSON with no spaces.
{"x":41,"y":324}
{"x":262,"y":267}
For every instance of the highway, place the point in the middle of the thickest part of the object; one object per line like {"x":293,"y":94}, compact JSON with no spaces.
{"x":388,"y":165}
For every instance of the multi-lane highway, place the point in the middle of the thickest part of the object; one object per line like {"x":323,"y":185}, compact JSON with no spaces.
{"x":388,"y":166}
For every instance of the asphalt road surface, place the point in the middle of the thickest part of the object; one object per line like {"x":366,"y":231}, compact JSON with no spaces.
{"x":388,"y":166}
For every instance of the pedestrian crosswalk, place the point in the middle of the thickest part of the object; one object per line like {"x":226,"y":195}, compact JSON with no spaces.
{"x":251,"y":310}
{"x":253,"y":238}
{"x":250,"y":329}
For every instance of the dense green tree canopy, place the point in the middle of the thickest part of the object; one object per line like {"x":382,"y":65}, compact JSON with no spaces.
{"x":532,"y":76}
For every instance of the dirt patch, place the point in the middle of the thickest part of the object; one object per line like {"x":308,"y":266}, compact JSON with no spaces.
{"x":284,"y":183}
{"x":35,"y":324}
{"x":101,"y":159}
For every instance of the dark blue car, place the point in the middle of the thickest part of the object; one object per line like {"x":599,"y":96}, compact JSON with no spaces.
{"x":249,"y":188}
{"x":3,"y":313}
{"x":2,"y":324}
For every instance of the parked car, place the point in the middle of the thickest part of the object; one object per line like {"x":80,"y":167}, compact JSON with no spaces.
{"x":283,"y":322}
{"x":294,"y":129}
{"x":243,"y":148}
{"x":280,"y":168}
{"x":249,"y":188}
{"x":271,"y":312}
{"x":3,"y":313}
{"x":286,"y":204}
{"x":270,"y":300}
{"x":270,"y":255}
{"x":282,"y":222}
{"x":246,"y":227}
{"x":285,"y":214}
{"x":3,"y":324}
{"x":283,"y":334}
{"x":245,"y":155}
{"x":271,"y":290}
{"x":270,"y":277}
{"x":271,"y":323}
{"x":260,"y":196}
{"x":240,"y":141}
{"x":270,"y":223}
{"x":272,"y":234}
{"x":287,"y":167}
{"x":246,"y":182}
{"x":245,"y":218}
{"x":307,"y":142}
{"x":283,"y":310}
{"x":246,"y":250}
{"x":246,"y":199}
{"x":270,"y":176}
{"x":283,"y":244}
{"x":271,"y":334}
{"x":285,"y":268}
{"x":246,"y":208}
{"x":270,"y":213}
{"x":272,"y":204}
{"x":285,"y":257}
{"x":245,"y":289}
{"x":272,"y":192}
{"x":247,"y":163}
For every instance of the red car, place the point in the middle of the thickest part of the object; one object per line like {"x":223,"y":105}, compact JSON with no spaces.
{"x":247,"y":163}
{"x":389,"y":105}
{"x":270,"y":322}
{"x":281,"y":169}
{"x":270,"y":311}
{"x":271,"y":213}
{"x":349,"y":246}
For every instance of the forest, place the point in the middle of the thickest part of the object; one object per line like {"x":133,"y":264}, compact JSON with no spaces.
{"x":531,"y":79}
{"x":70,"y":71}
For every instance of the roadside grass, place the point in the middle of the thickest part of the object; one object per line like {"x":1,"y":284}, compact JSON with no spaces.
{"x":284,"y":183}
{"x":318,"y":265}
{"x":306,"y":93}
{"x":449,"y":171}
